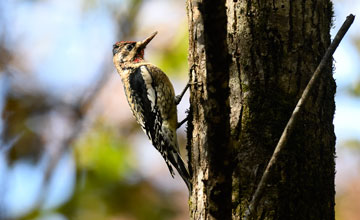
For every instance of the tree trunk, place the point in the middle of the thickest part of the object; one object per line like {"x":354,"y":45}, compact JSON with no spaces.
{"x":250,"y":62}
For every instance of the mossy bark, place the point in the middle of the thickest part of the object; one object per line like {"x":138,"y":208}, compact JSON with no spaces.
{"x":210,"y":120}
{"x":250,"y":62}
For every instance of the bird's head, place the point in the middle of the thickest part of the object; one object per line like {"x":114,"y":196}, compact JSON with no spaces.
{"x":130,"y":51}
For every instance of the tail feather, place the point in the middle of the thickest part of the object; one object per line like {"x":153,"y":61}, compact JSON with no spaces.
{"x":170,"y":169}
{"x":179,"y":165}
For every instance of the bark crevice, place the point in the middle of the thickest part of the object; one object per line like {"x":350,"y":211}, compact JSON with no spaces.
{"x":253,"y":60}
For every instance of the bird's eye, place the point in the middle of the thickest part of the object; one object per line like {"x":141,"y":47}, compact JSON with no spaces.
{"x":129,"y":47}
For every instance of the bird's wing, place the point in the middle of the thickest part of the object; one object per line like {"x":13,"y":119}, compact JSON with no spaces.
{"x":145,"y":100}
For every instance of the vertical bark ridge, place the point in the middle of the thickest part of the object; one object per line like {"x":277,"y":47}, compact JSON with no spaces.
{"x":252,"y":60}
{"x":210,"y":130}
{"x":277,"y":46}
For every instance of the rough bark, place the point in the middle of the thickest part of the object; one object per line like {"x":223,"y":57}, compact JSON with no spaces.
{"x":251,"y":61}
{"x":210,"y":119}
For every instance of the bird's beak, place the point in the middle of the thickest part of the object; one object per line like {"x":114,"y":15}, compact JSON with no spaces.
{"x":147,"y":40}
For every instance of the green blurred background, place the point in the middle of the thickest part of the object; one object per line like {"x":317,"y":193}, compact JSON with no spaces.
{"x":69,"y":146}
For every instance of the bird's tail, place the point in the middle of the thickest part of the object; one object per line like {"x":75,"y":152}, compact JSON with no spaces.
{"x":179,"y":165}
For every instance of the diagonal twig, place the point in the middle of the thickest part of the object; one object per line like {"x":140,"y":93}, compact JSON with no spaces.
{"x":295,"y":115}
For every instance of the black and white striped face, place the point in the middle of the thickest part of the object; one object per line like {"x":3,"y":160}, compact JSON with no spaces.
{"x":130,"y":51}
{"x":125,"y":51}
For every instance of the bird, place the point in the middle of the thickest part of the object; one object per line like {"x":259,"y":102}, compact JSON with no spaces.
{"x":152,"y":100}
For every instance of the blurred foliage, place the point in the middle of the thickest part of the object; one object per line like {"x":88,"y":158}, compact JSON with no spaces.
{"x":348,"y":202}
{"x":101,"y":199}
{"x":354,"y":89}
{"x":356,"y":42}
{"x":108,"y":185}
{"x":19,"y":109}
{"x":107,"y":188}
{"x":353,"y":144}
{"x":173,"y":58}
{"x":104,"y":153}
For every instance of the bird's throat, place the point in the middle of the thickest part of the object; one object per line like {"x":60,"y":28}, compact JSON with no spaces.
{"x":139,"y":56}
{"x":138,"y":59}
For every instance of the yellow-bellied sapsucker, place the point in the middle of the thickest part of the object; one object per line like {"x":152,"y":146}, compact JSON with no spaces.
{"x":151,"y":97}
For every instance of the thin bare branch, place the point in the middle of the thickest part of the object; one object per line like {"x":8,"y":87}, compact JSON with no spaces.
{"x":295,"y":115}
